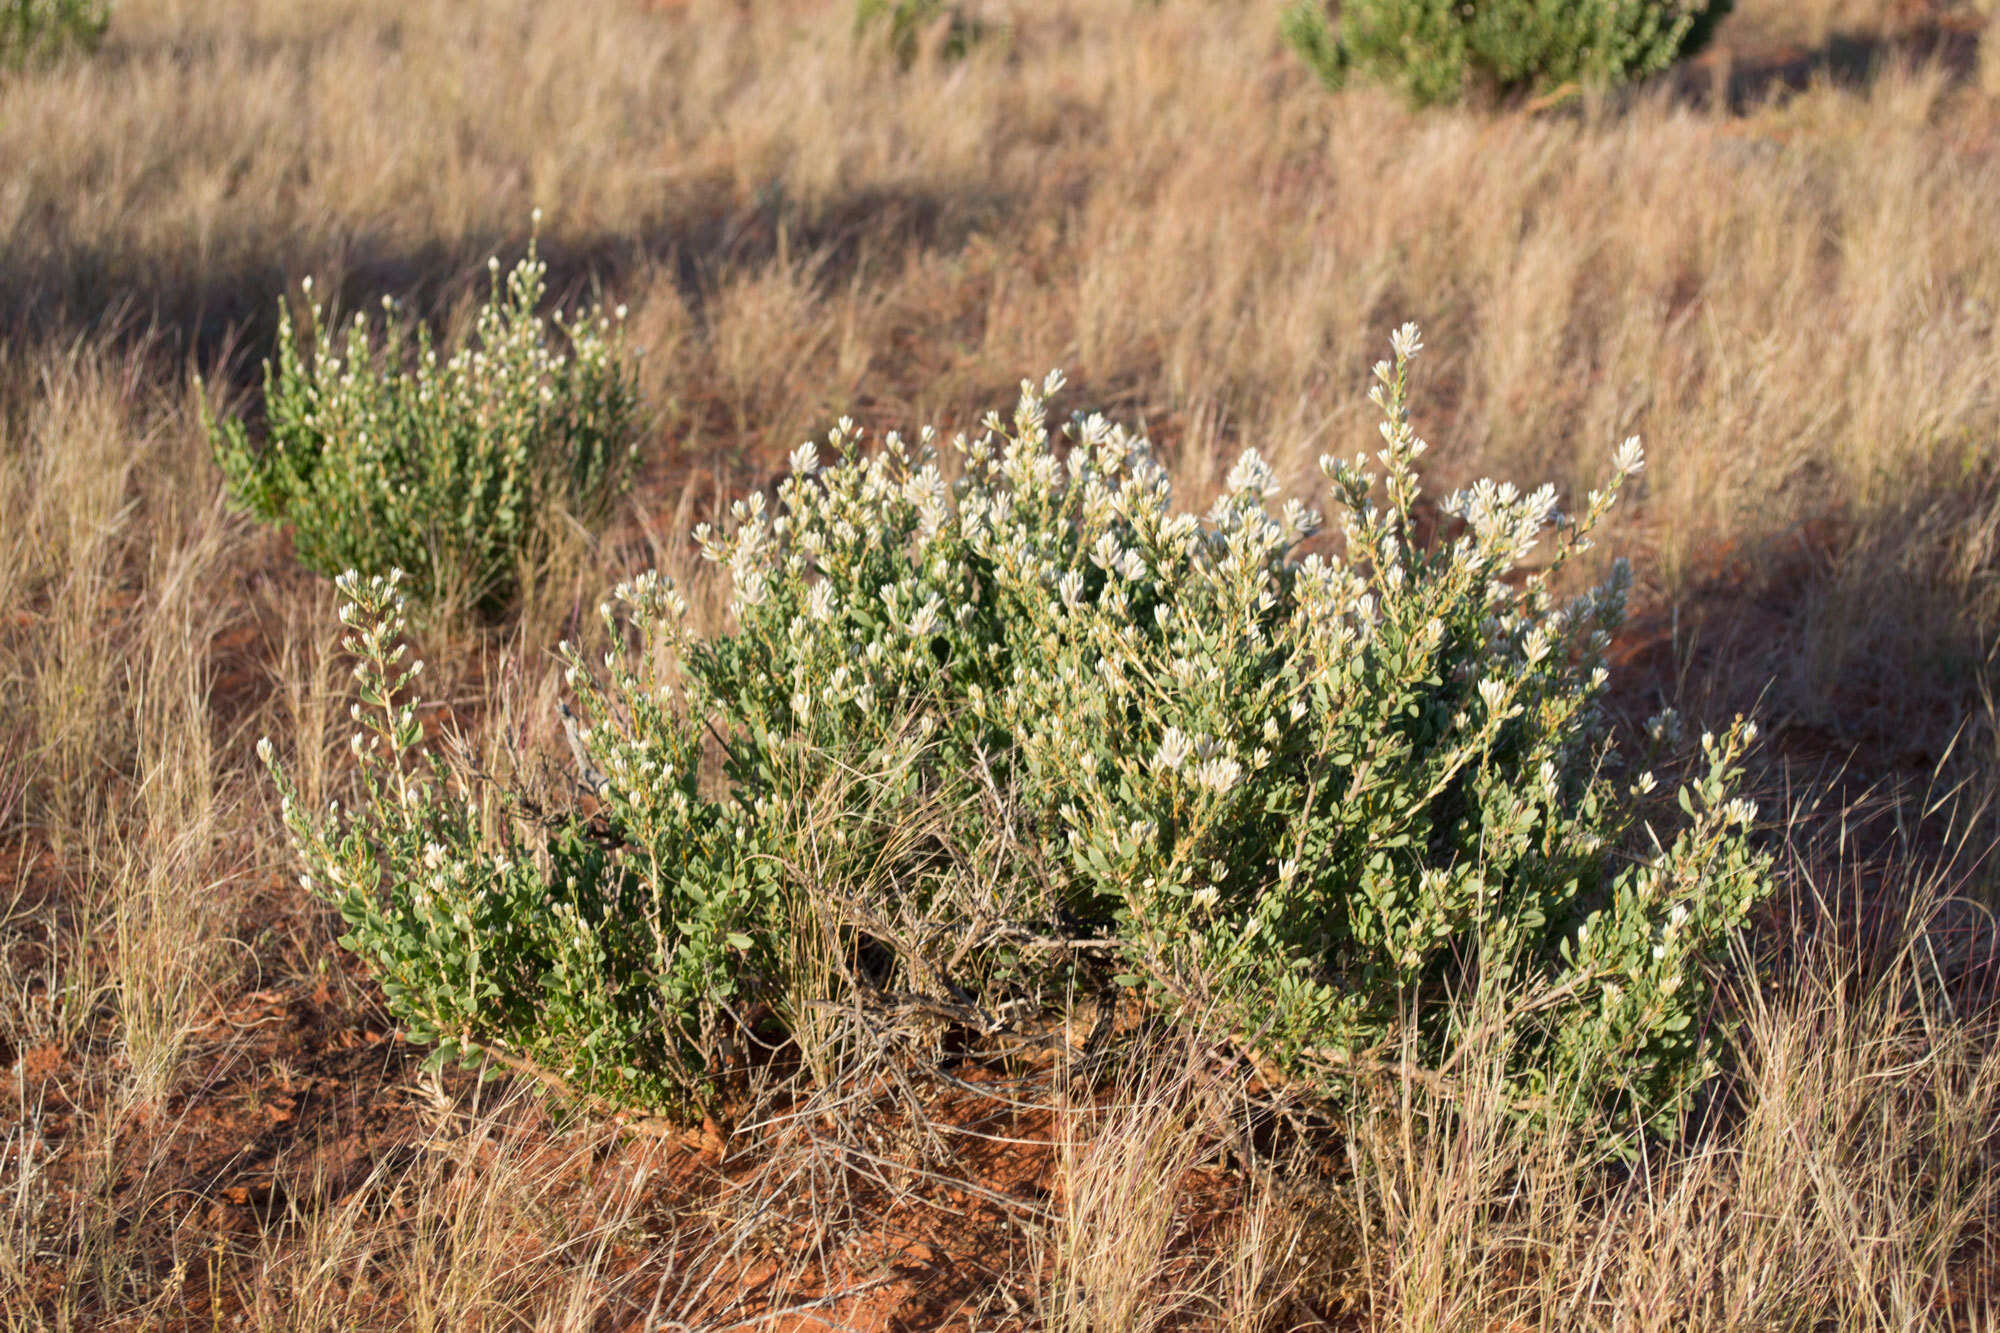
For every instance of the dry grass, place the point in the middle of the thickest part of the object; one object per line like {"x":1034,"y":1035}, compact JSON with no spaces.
{"x":1853,"y":1161}
{"x":1132,"y":1245}
{"x":1793,"y":298}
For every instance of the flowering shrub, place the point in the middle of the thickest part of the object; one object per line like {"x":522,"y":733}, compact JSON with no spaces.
{"x":450,"y":469}
{"x":975,"y":735}
{"x":1431,"y":50}
{"x":34,"y":32}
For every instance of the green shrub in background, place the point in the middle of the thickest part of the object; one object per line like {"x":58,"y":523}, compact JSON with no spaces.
{"x":908,"y":23}
{"x":383,"y":456}
{"x":976,"y":736}
{"x":35,"y":32}
{"x":1435,"y":51}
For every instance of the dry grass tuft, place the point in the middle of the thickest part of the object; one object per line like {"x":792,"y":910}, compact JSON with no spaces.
{"x":1137,"y":1242}
{"x":1844,"y":1181}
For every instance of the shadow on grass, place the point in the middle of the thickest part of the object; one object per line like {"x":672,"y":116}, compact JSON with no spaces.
{"x":224,"y":316}
{"x":1867,"y":645}
{"x":1740,"y":79}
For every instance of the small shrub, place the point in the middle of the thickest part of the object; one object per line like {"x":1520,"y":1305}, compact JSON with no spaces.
{"x":448,"y":469}
{"x":974,"y":736}
{"x":1434,"y":51}
{"x":36,"y":32}
{"x":909,"y":24}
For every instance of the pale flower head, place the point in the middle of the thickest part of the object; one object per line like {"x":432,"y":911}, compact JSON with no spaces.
{"x":1217,"y":774}
{"x":925,"y":621}
{"x":819,"y":602}
{"x":1664,"y":727}
{"x":1251,"y":474}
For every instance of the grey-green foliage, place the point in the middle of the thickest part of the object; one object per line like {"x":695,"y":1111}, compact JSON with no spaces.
{"x":35,"y":32}
{"x":381,"y":455}
{"x":906,"y":23}
{"x":995,"y":727}
{"x":1435,"y":51}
